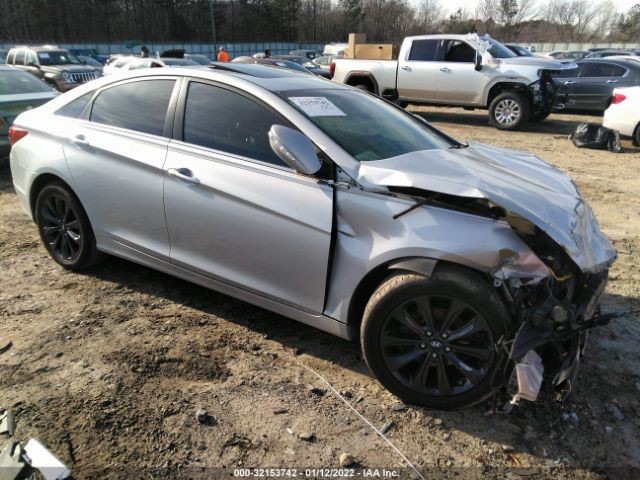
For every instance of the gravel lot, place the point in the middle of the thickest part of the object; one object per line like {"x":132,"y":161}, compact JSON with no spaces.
{"x":109,"y":367}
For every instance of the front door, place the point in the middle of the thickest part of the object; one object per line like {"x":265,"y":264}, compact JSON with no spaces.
{"x":596,"y":83}
{"x":458,"y":82}
{"x":417,"y":72}
{"x":235,"y":212}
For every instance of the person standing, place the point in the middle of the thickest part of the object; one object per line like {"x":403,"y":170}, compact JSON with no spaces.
{"x":222,"y":55}
{"x":144,"y":52}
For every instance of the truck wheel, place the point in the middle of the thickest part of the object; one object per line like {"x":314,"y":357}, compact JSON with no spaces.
{"x":432,"y":341}
{"x":636,"y":136}
{"x":508,"y":111}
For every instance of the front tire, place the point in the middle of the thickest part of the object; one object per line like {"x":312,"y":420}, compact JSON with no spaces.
{"x":508,"y":111}
{"x":432,"y":341}
{"x":64,"y":228}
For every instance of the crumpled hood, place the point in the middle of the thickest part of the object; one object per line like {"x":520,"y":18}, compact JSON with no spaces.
{"x":517,"y":181}
{"x":544,"y":63}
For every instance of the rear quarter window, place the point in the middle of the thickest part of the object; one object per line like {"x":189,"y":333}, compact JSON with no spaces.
{"x":74,"y":108}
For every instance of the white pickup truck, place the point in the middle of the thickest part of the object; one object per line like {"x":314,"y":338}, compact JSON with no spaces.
{"x":461,"y":70}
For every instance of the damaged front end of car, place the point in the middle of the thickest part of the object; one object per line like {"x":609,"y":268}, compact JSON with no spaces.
{"x":552,"y":314}
{"x":552,"y":288}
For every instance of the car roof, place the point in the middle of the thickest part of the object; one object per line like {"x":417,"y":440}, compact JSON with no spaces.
{"x":274,"y":79}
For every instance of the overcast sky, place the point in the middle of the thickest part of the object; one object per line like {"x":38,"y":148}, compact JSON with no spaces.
{"x":452,"y":5}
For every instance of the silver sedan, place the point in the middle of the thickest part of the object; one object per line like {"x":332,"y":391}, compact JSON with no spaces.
{"x":451,"y":263}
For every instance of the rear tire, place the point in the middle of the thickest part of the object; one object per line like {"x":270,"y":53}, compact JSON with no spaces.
{"x":431,"y":341}
{"x":508,"y":111}
{"x":64,"y":228}
{"x":636,"y":136}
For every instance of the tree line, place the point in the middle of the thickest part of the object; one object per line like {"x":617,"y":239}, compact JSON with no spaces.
{"x":233,"y":21}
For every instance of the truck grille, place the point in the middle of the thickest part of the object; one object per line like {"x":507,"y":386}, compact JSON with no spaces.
{"x":83,"y":77}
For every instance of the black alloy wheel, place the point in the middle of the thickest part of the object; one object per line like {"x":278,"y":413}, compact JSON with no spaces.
{"x":64,"y":228}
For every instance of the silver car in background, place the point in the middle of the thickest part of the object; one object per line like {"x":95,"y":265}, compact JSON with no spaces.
{"x":449,"y":262}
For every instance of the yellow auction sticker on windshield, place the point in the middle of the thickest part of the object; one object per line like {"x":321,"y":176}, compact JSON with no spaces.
{"x":317,"y":107}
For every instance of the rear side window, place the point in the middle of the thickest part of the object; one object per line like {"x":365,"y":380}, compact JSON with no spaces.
{"x":74,"y":108}
{"x":602,"y":70}
{"x":11,"y":57}
{"x":227,"y":121}
{"x":140,"y":106}
{"x":424,"y":50}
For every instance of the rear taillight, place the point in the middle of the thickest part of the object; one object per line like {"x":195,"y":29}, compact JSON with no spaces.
{"x":617,"y":98}
{"x":16,"y":134}
{"x":332,"y":69}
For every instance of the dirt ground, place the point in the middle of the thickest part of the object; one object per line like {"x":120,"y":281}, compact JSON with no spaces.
{"x":109,"y":367}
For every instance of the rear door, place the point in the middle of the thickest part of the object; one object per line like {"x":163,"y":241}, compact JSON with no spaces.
{"x":116,"y":159}
{"x":235,"y":212}
{"x":457,"y":80}
{"x":595,"y":85}
{"x":417,"y":72}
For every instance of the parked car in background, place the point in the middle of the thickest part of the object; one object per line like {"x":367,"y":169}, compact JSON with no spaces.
{"x":273,"y":62}
{"x":589,"y":87}
{"x":608,"y":53}
{"x":325,"y":61}
{"x":461,"y":70}
{"x":572,"y":55}
{"x":310,"y":54}
{"x":519,"y":50}
{"x":623,"y":113}
{"x":19,"y":91}
{"x":3,"y":56}
{"x":83,"y":52}
{"x":306,"y":63}
{"x":335,"y":48}
{"x":92,"y":62}
{"x":126,"y":63}
{"x":553,"y":54}
{"x":198,"y":58}
{"x":56,"y":66}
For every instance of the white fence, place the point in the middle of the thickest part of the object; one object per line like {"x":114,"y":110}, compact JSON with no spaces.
{"x":550,"y":47}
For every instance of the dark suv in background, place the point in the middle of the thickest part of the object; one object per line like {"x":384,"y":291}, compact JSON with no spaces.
{"x":56,"y":66}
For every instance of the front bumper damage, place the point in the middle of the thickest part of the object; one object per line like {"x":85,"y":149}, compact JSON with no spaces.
{"x":552,"y":315}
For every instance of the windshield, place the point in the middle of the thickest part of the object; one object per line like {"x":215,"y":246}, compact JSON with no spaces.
{"x":15,"y":82}
{"x":57,"y":57}
{"x":368,"y":128}
{"x":498,"y":50}
{"x":521,"y":51}
{"x":177,"y":61}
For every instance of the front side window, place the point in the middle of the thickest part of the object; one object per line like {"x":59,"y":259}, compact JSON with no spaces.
{"x":365,"y":126}
{"x":31,"y":58}
{"x":223,"y":120}
{"x":20,"y":57}
{"x":458,"y":51}
{"x":140,"y":106}
{"x":424,"y":50}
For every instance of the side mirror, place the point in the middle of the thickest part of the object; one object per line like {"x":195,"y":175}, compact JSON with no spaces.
{"x":294,"y":149}
{"x":477,"y":61}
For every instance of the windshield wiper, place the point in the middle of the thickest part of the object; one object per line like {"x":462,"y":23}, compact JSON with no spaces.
{"x":418,"y":204}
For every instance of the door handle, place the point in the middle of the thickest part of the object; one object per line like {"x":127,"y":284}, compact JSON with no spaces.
{"x":183,"y":174}
{"x":569,"y":82}
{"x":612,"y":81}
{"x":406,"y":67}
{"x":445,"y":69}
{"x":80,"y":140}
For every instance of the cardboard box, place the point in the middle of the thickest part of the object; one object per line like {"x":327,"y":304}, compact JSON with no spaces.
{"x":374,"y":51}
{"x":354,"y":39}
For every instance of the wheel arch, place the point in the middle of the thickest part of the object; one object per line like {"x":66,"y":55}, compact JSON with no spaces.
{"x":42,"y":181}
{"x":504,"y":86}
{"x":358,"y":78}
{"x":373,"y":279}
